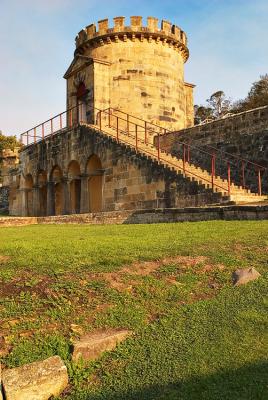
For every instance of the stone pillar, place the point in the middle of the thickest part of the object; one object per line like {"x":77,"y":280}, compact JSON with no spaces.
{"x":23,"y":203}
{"x":50,"y":198}
{"x":84,"y":200}
{"x":36,"y":201}
{"x":66,"y":196}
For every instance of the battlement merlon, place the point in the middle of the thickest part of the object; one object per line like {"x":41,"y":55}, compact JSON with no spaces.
{"x":166,"y":32}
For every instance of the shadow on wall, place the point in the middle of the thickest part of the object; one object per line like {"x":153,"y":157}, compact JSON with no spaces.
{"x":246,"y":383}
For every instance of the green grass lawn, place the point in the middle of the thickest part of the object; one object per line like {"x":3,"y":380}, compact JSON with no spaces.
{"x":195,"y":335}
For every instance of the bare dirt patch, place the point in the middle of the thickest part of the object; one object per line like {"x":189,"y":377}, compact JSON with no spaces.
{"x":117,"y":280}
{"x":27,"y":283}
{"x":4,"y":259}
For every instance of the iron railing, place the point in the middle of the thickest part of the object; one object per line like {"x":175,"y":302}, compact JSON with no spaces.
{"x":144,"y":132}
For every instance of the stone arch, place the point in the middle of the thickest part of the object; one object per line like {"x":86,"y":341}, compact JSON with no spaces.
{"x":74,"y":177}
{"x":95,"y":183}
{"x":42,"y":189}
{"x":28,"y":186}
{"x":56,"y":177}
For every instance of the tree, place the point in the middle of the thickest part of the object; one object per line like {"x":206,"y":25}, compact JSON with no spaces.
{"x":8,"y":142}
{"x":202,"y":113}
{"x":219,"y":104}
{"x":257,"y":96}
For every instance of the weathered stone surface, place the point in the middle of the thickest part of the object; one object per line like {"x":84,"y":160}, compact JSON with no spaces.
{"x":148,"y":185}
{"x":146,"y":64}
{"x":148,"y":216}
{"x":243,"y":276}
{"x":37,"y":381}
{"x":91,"y":346}
{"x":243,"y":135}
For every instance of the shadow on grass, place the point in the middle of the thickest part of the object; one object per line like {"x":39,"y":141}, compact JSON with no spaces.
{"x":247,"y":383}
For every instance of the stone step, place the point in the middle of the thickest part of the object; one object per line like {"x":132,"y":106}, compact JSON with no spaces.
{"x":189,"y":171}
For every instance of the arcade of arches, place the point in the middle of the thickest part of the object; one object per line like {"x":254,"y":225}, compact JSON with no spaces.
{"x":84,"y":171}
{"x":56,"y":194}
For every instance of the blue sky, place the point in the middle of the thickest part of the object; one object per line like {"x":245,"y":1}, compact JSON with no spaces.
{"x":227,"y":41}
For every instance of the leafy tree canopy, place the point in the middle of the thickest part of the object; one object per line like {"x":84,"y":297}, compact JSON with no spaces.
{"x":8,"y":142}
{"x":257,"y":96}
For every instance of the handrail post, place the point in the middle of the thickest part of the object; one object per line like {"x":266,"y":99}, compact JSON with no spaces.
{"x":100,"y":120}
{"x":117,"y":130}
{"x":43,"y":131}
{"x":184,"y":155}
{"x":51,"y":126}
{"x":145,"y":132}
{"x":27,"y":138}
{"x":188,"y":153}
{"x":243,"y":175}
{"x":229,"y":177}
{"x":214,"y":165}
{"x":259,"y":182}
{"x":34,"y":135}
{"x":80,"y":113}
{"x":136,"y":135}
{"x":212,"y":170}
{"x":71,"y":117}
{"x":158,"y":146}
{"x":60,"y":121}
{"x":128,"y":124}
{"x":109,"y":117}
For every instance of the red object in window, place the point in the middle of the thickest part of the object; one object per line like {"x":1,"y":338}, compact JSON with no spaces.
{"x":81,"y":90}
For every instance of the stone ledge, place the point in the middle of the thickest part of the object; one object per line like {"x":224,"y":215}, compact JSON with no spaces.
{"x":189,"y":214}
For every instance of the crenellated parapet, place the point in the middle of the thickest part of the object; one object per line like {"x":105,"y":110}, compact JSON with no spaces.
{"x":165,"y":34}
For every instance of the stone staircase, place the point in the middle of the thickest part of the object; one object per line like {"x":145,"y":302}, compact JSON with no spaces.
{"x":189,"y":171}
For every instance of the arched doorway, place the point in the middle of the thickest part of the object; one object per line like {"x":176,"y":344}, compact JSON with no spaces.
{"x":28,"y":185}
{"x":81,"y":102}
{"x":75,"y":187}
{"x":57,"y":197}
{"x":42,"y":187}
{"x":95,"y":183}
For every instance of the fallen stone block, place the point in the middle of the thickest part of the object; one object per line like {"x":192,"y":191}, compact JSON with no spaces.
{"x":37,"y":381}
{"x":243,"y":276}
{"x":91,"y":346}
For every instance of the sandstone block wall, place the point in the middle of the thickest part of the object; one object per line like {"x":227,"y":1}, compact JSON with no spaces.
{"x":82,"y":171}
{"x":243,"y":135}
{"x":9,"y":160}
{"x":4,"y":195}
{"x":137,"y":69}
{"x":147,"y":216}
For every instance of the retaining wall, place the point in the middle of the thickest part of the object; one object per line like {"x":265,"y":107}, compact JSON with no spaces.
{"x":148,"y":216}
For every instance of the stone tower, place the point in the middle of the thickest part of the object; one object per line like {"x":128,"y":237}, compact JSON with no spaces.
{"x":137,"y":69}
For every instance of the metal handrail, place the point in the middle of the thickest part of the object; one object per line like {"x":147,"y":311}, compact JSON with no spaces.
{"x":70,"y":121}
{"x":193,"y":146}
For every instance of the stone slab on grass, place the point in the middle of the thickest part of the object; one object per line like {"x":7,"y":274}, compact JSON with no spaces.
{"x":91,"y":346}
{"x":243,"y":276}
{"x":37,"y":381}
